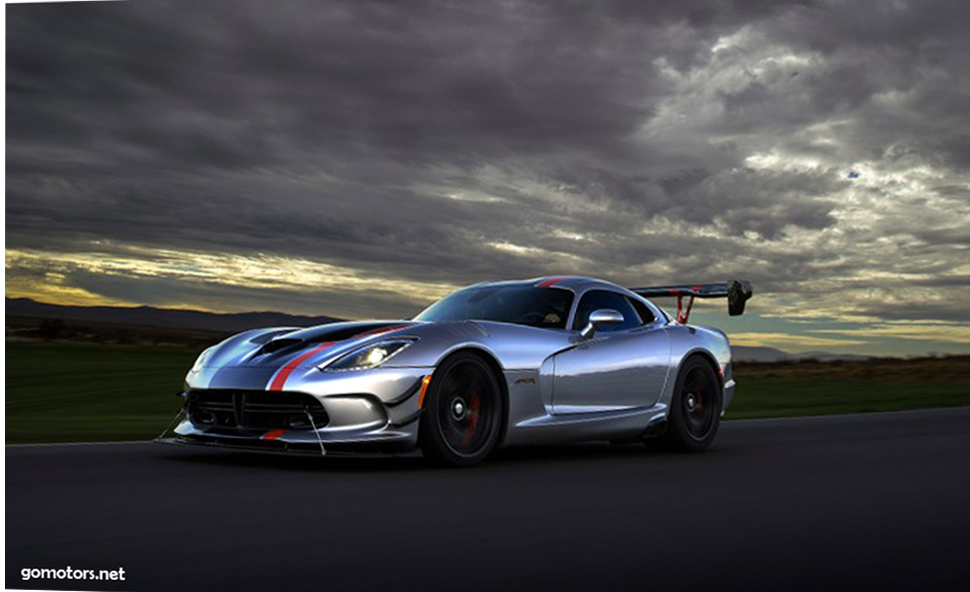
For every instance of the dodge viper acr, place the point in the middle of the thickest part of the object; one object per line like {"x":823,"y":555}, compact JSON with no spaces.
{"x":546,"y":360}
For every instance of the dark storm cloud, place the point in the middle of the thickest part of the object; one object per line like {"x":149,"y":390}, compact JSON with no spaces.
{"x":461,"y":141}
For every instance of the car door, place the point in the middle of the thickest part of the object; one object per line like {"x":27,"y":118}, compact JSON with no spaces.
{"x":620,"y":367}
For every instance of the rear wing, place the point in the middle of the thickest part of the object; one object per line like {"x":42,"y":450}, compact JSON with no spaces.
{"x":737,"y":293}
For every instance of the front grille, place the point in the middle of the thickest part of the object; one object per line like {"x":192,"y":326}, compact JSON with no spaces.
{"x":255,"y":410}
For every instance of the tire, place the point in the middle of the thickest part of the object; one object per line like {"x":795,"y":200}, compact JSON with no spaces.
{"x":695,"y":410}
{"x":462,"y":416}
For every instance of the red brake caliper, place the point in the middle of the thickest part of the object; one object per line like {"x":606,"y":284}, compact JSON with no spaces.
{"x":473,"y":407}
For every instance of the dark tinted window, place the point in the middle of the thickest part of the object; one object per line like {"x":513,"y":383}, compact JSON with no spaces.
{"x":596,"y":299}
{"x":521,"y":305}
{"x":646,"y":315}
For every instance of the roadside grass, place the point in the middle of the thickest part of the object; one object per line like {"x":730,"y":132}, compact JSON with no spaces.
{"x":773,"y":397}
{"x":76,"y":392}
{"x":808,"y":387}
{"x":73,"y":392}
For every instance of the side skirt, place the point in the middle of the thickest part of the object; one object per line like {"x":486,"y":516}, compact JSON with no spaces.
{"x":577,"y":427}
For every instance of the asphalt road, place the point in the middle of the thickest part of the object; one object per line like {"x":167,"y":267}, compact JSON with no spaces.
{"x":865,"y":502}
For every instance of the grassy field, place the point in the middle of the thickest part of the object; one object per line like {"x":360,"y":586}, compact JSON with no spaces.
{"x":822,"y":388}
{"x":62,"y":392}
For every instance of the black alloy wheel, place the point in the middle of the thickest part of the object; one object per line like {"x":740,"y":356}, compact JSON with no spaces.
{"x":695,"y":412}
{"x":462,"y":416}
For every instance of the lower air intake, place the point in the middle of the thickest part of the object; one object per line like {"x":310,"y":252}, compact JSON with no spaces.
{"x":255,"y":410}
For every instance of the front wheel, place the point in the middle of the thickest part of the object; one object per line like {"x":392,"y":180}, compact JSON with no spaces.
{"x":695,"y":410}
{"x":462,"y":414}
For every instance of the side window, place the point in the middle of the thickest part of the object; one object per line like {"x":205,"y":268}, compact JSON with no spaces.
{"x":597,"y":299}
{"x":646,"y":315}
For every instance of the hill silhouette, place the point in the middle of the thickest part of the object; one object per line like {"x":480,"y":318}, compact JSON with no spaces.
{"x":165,"y":318}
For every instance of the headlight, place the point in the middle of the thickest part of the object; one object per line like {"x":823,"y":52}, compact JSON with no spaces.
{"x":370,"y":356}
{"x":202,"y":359}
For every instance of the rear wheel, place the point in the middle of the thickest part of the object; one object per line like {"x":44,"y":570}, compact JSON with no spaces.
{"x":695,"y":410}
{"x":463,"y":412}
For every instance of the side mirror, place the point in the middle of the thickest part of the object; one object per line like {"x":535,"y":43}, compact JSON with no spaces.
{"x":601,"y":318}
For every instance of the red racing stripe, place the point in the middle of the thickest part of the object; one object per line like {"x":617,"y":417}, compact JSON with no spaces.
{"x":273,"y":435}
{"x":550,"y":281}
{"x":379,"y":331}
{"x":285,"y":371}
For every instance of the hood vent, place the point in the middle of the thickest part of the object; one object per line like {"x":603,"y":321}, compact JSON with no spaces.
{"x":264,"y":337}
{"x":277,"y":345}
{"x":313,"y":335}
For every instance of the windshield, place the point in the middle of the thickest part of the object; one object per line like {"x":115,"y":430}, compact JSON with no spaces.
{"x":520,"y":305}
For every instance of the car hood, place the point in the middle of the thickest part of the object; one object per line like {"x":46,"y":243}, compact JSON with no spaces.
{"x":514,"y":346}
{"x":282,"y":346}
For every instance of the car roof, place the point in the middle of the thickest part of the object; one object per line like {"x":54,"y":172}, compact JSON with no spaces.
{"x":579,"y":285}
{"x":575,"y":283}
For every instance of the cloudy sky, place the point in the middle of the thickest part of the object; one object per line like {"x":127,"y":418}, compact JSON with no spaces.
{"x":361,"y":159}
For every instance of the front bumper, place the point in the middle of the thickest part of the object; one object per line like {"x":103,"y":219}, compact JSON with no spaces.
{"x":366,"y":411}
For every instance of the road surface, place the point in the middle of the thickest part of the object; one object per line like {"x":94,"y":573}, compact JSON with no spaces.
{"x":865,"y":502}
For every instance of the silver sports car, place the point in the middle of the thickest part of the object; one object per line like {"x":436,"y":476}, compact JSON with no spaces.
{"x":546,"y":360}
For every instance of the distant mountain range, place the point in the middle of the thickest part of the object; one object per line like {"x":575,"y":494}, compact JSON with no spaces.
{"x":741,"y":353}
{"x":228,"y":323}
{"x":169,"y":318}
